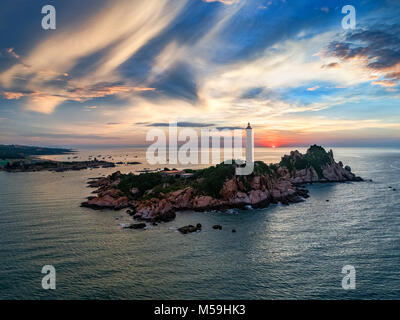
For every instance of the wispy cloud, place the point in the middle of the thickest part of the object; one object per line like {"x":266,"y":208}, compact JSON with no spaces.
{"x":227,"y":2}
{"x":313,"y":88}
{"x":182,"y":124}
{"x":116,"y":32}
{"x":90,"y":108}
{"x":386,"y":83}
{"x":377,"y":50}
{"x":11,"y":51}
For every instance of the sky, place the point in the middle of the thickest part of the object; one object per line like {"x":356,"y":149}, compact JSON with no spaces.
{"x":114,"y":69}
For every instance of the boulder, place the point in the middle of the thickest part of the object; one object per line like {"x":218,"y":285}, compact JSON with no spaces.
{"x":257,"y":196}
{"x":229,"y":189}
{"x":181,"y":199}
{"x":241,"y":198}
{"x":205,"y":202}
{"x":189,"y":229}
{"x":155,"y":210}
{"x":256,"y":183}
{"x":136,"y":226}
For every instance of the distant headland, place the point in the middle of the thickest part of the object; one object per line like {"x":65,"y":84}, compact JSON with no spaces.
{"x":23,"y":152}
{"x":156,"y":196}
{"x":16,"y":158}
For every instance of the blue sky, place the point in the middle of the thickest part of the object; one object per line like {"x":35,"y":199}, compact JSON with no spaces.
{"x":113,"y":69}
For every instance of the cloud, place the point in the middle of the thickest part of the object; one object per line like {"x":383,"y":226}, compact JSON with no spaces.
{"x":253,"y":87}
{"x":231,"y":128}
{"x":313,"y":88}
{"x":182,"y":124}
{"x":227,"y":2}
{"x":179,"y":82}
{"x":377,"y":50}
{"x":11,"y":51}
{"x":67,"y":136}
{"x":43,"y":103}
{"x":141,"y":123}
{"x":385,"y":83}
{"x":214,"y":65}
{"x":90,"y":108}
{"x":48,"y":99}
{"x":114,"y":33}
{"x":9,"y":95}
{"x":333,"y":65}
{"x":101,"y":90}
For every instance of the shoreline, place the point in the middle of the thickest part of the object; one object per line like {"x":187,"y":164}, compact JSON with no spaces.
{"x":36,"y":165}
{"x":156,"y":197}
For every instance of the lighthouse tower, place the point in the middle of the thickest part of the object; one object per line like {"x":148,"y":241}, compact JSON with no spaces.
{"x":249,"y":144}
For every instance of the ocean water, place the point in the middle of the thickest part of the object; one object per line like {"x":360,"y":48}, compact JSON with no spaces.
{"x":280,"y":252}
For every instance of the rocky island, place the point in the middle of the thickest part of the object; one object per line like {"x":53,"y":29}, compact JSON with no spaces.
{"x":156,"y":196}
{"x":57,"y":166}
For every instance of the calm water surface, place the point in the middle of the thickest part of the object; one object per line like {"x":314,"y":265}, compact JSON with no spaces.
{"x":281,"y":252}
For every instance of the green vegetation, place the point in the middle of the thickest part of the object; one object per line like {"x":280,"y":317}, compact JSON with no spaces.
{"x":22,"y":152}
{"x":287,"y":162}
{"x":315,"y":157}
{"x":212,"y":179}
{"x":273,"y":167}
{"x":301,"y":163}
{"x":165,"y":188}
{"x":207,"y":181}
{"x":143,"y":182}
{"x":261,"y":168}
{"x":246,"y":183}
{"x":3,"y":163}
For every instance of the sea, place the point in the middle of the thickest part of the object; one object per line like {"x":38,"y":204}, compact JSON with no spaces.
{"x":280,"y":252}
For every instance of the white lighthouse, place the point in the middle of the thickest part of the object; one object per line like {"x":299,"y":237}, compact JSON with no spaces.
{"x":249,"y":145}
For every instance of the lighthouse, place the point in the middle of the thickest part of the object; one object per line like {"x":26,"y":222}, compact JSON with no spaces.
{"x":249,"y":145}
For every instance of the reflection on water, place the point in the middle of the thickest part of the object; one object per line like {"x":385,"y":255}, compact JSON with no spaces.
{"x":291,"y":252}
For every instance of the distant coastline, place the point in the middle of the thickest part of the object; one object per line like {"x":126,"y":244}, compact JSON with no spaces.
{"x":23,"y":152}
{"x":15,"y":158}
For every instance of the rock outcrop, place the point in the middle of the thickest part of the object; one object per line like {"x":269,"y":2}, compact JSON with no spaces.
{"x":190,"y":229}
{"x":268,"y":184}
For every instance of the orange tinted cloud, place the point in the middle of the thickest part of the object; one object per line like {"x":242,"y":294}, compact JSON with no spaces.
{"x":111,"y":26}
{"x":313,"y":88}
{"x":12,"y":95}
{"x":46,"y":102}
{"x":98,"y":91}
{"x":12,"y":52}
{"x":385,"y":83}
